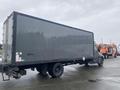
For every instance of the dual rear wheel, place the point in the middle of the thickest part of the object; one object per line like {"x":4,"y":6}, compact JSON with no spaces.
{"x":55,"y":70}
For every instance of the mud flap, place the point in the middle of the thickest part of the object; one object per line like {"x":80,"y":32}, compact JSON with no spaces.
{"x":4,"y":76}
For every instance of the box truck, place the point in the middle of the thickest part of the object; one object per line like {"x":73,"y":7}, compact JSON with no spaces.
{"x":34,"y":43}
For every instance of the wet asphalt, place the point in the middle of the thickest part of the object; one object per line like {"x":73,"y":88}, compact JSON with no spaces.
{"x":75,"y":77}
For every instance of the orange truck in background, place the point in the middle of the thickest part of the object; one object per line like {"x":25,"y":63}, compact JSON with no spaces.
{"x":107,"y":50}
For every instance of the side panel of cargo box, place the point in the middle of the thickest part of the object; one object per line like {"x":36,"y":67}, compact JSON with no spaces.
{"x":42,"y":41}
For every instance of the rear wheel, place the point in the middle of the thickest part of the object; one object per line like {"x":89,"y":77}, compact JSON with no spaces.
{"x":86,"y":63}
{"x":56,"y":70}
{"x":42,"y":69}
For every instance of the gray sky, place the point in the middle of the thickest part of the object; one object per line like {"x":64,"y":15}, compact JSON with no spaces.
{"x":99,"y":16}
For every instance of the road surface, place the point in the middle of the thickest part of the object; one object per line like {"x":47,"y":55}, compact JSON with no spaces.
{"x":75,"y":77}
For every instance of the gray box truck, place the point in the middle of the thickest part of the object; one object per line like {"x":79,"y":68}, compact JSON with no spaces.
{"x":33,"y":43}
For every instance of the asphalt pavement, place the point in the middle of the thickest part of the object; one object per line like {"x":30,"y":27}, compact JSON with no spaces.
{"x":75,"y":77}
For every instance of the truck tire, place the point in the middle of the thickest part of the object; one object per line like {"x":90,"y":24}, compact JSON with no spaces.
{"x":42,"y":69}
{"x":86,"y":64}
{"x":56,"y":70}
{"x":100,"y":62}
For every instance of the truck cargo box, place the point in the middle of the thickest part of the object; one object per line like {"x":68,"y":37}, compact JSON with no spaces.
{"x":33,"y":43}
{"x":31,"y":40}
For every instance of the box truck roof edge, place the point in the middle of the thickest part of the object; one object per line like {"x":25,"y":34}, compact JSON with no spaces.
{"x":15,"y":12}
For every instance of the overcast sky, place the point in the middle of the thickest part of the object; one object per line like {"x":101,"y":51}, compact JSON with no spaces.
{"x":99,"y":16}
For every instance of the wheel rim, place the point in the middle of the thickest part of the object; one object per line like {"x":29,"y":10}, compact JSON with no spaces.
{"x":58,"y":69}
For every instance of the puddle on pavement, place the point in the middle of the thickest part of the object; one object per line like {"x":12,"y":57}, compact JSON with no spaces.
{"x":113,"y":79}
{"x":94,"y":80}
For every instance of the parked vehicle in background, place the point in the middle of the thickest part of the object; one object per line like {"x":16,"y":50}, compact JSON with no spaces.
{"x":118,"y":50}
{"x":33,"y":43}
{"x":108,"y":49}
{"x":104,"y":51}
